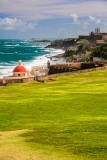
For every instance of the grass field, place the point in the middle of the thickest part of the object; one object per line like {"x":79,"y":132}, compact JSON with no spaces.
{"x":63,"y":119}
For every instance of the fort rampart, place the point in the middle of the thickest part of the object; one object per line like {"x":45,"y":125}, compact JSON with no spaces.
{"x":69,"y":73}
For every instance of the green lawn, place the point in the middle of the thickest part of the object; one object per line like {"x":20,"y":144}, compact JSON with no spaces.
{"x":66,"y":115}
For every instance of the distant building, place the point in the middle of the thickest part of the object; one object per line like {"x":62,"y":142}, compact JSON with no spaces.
{"x":82,"y":57}
{"x":39,"y":71}
{"x":93,"y":36}
{"x":77,"y":58}
{"x":73,"y":48}
{"x":100,"y":42}
{"x":97,"y":30}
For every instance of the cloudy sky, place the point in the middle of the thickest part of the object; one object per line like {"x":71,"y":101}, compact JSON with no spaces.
{"x":51,"y":18}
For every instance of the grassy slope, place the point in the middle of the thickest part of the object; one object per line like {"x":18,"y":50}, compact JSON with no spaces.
{"x":66,"y":115}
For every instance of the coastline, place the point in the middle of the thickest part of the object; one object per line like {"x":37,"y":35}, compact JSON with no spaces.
{"x":41,"y":55}
{"x":41,"y":42}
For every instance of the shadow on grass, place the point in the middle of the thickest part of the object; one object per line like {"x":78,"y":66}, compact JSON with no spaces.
{"x":83,"y":138}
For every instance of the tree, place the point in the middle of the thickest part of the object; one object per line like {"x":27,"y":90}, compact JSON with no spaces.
{"x":83,"y":46}
{"x":100,"y":51}
{"x":69,"y":53}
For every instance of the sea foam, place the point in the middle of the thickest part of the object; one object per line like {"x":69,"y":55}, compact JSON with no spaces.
{"x":31,"y":54}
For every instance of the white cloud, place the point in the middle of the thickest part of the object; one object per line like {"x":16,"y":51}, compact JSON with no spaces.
{"x":14,"y":23}
{"x":75,"y":17}
{"x":92,"y":18}
{"x":45,"y":9}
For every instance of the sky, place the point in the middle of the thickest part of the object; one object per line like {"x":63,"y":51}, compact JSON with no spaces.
{"x":44,"y":19}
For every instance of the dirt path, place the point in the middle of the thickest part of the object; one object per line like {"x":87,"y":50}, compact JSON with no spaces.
{"x":13,"y":147}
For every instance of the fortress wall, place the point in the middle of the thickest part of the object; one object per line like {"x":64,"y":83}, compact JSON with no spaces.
{"x":70,"y":73}
{"x":61,"y":68}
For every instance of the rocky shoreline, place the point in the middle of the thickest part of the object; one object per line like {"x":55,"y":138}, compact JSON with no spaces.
{"x":63,"y":44}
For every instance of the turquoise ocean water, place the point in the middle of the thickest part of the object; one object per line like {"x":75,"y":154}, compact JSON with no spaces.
{"x":31,"y":54}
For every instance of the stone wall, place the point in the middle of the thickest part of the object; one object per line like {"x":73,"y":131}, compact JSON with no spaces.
{"x":28,"y":79}
{"x":61,"y":68}
{"x":91,"y":65}
{"x":21,"y":80}
{"x":1,"y":82}
{"x":70,"y":73}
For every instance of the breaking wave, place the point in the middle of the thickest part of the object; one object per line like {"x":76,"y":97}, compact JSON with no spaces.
{"x":31,"y":54}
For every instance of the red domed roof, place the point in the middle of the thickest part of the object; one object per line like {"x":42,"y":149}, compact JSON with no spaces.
{"x":20,"y":69}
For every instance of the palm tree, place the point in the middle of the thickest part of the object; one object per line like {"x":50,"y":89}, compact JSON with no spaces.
{"x":83,"y":46}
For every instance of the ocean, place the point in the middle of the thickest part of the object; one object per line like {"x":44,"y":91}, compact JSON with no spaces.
{"x":31,"y":54}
